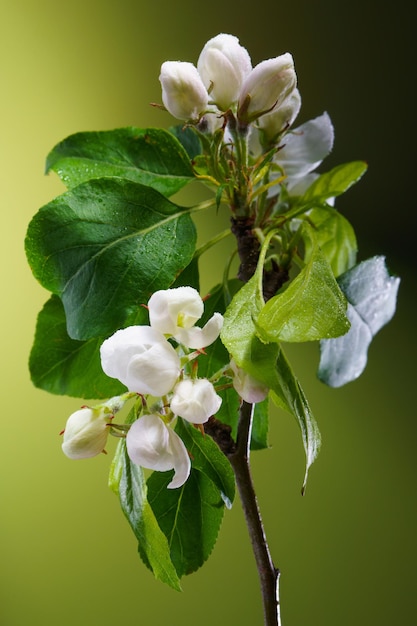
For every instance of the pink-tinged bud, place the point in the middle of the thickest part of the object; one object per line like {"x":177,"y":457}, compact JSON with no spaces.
{"x":281,"y":117}
{"x":223,"y":65}
{"x":86,"y":433}
{"x":183,"y":91}
{"x":195,"y":400}
{"x":154,"y":445}
{"x":248,"y":388}
{"x":266,"y":87}
{"x":142,"y":359}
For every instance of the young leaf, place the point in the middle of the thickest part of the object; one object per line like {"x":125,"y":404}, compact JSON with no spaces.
{"x":150,"y":156}
{"x":153,"y":544}
{"x":336,"y":238}
{"x":312,"y":306}
{"x":372,"y":295}
{"x":259,"y":438}
{"x":65,"y":366}
{"x":189,"y":516}
{"x":267,"y":363}
{"x":104,"y":247}
{"x":334,"y":183}
{"x":208,"y":459}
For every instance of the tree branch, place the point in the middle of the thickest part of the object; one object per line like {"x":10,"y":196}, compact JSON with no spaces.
{"x":268,"y":573}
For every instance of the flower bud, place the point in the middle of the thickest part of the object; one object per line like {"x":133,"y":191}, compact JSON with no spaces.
{"x":266,"y":87}
{"x":248,"y":388}
{"x":195,"y":400}
{"x":281,"y":117}
{"x":175,"y":311}
{"x":223,"y":65}
{"x":153,"y":445}
{"x":86,"y":433}
{"x":183,"y":92}
{"x":142,"y":359}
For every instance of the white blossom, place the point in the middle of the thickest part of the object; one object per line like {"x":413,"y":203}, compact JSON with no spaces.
{"x":175,"y":311}
{"x":142,"y":359}
{"x":195,"y":400}
{"x":183,"y":92}
{"x":86,"y":432}
{"x":248,"y":388}
{"x":266,"y":87}
{"x":154,"y":445}
{"x":223,"y":65}
{"x":303,"y":151}
{"x":281,"y":117}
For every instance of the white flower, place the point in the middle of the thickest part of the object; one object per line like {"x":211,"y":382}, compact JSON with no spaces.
{"x":86,"y":432}
{"x":303,"y":151}
{"x":223,"y":64}
{"x":153,"y":445}
{"x":248,"y":388}
{"x":195,"y":400}
{"x":183,"y":91}
{"x":266,"y":87}
{"x":175,"y":311}
{"x":281,"y":117}
{"x":142,"y":359}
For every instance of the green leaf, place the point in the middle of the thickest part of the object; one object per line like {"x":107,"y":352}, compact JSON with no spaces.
{"x":259,"y":439}
{"x":105,"y":247}
{"x":372,"y":295}
{"x":209,"y":459}
{"x":150,"y":156}
{"x":334,"y":183}
{"x":336,"y":238}
{"x":65,"y":366}
{"x":312,"y":307}
{"x":153,"y":544}
{"x":267,"y":363}
{"x":188,"y":138}
{"x":189,"y":516}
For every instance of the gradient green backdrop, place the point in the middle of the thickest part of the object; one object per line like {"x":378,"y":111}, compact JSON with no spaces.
{"x":347,"y":550}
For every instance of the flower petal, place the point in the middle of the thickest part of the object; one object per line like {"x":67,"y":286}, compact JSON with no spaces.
{"x":198,"y":338}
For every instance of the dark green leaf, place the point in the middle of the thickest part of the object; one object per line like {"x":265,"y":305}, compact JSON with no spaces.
{"x":312,"y":307}
{"x":150,"y":156}
{"x":336,"y":238}
{"x":65,"y":366}
{"x":189,"y":516}
{"x":153,"y":544}
{"x":259,"y":440}
{"x":105,"y":247}
{"x":188,"y":138}
{"x":207,"y":458}
{"x":334,"y":183}
{"x":372,"y":295}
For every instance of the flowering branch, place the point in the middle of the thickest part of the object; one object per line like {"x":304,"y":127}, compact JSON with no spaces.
{"x":195,"y":366}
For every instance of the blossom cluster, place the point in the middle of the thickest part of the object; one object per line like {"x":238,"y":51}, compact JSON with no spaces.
{"x":148,"y":363}
{"x":264,"y":100}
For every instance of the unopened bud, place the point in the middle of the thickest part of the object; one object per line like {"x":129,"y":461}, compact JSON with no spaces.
{"x":266,"y":87}
{"x":248,"y":388}
{"x":183,"y":91}
{"x":281,"y":117}
{"x":195,"y":400}
{"x":86,"y":433}
{"x":223,"y":65}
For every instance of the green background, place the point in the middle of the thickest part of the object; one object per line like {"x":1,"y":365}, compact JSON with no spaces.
{"x":347,"y":550}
